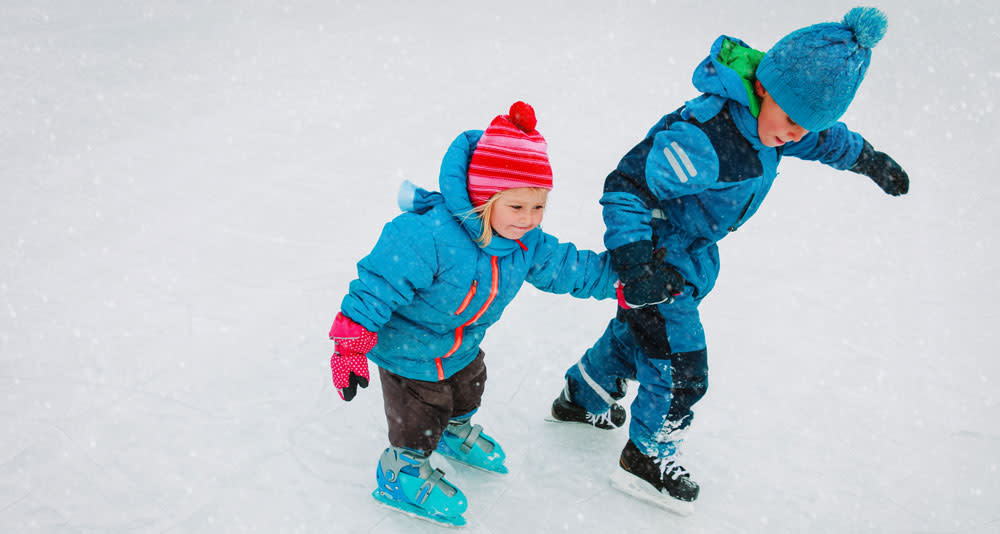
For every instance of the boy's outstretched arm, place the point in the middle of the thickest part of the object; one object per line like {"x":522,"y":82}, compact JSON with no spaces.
{"x":843,"y":149}
{"x":882,"y":169}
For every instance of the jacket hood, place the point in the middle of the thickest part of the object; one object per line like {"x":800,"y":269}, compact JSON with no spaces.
{"x":454,"y":196}
{"x":726,"y":74}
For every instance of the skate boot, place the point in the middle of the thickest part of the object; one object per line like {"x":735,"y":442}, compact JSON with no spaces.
{"x":659,"y":481}
{"x":466,"y":443}
{"x":408,"y":483}
{"x":565,"y":410}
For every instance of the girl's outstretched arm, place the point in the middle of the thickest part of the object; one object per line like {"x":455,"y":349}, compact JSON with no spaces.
{"x":562,"y":268}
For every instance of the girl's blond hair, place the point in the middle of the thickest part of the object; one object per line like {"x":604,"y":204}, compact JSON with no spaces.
{"x":485,"y":210}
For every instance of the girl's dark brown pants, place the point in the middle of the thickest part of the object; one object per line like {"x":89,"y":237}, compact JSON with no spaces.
{"x":417,"y":412}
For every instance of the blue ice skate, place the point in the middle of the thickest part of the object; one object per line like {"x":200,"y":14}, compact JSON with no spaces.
{"x":408,"y":483}
{"x":466,"y":443}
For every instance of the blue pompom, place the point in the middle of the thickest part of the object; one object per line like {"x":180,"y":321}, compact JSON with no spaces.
{"x":868,"y":24}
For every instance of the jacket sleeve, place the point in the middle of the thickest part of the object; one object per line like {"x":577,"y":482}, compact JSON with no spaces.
{"x":402,"y":262}
{"x":836,"y":146}
{"x":676,"y":162}
{"x":562,"y":268}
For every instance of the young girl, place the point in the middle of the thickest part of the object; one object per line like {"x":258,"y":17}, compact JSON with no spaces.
{"x":439,"y":276}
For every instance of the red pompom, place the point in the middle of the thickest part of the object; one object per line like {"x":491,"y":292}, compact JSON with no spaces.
{"x":523,"y":116}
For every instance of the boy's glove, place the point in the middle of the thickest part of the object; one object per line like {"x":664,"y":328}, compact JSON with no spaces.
{"x":644,"y":277}
{"x":348,"y":363}
{"x":882,"y":169}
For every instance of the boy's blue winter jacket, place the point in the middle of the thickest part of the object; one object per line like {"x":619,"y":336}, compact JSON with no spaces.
{"x":430,"y":291}
{"x":702,"y":171}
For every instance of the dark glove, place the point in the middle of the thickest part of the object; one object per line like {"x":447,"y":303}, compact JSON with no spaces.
{"x":348,"y":363}
{"x":645,"y":278}
{"x":882,"y":169}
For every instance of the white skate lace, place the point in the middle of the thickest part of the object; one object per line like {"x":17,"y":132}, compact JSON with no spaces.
{"x":669,"y":466}
{"x":597,"y":419}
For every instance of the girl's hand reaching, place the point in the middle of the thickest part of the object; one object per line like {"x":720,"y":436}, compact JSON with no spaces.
{"x":348,"y":363}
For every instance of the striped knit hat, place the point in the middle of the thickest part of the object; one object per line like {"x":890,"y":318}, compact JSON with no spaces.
{"x":510,"y":154}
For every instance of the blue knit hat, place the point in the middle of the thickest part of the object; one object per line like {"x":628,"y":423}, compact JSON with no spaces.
{"x":813,"y":72}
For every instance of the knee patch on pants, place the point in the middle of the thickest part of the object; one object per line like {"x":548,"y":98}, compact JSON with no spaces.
{"x":689,"y":371}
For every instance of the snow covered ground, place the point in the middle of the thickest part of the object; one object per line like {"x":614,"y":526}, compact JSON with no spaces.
{"x":185,"y":188}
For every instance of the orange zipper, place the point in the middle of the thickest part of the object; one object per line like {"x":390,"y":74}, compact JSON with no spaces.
{"x":468,"y":298}
{"x":494,"y":284}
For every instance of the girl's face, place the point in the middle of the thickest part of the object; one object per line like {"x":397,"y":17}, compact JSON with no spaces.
{"x":518,"y":211}
{"x":774,"y":127}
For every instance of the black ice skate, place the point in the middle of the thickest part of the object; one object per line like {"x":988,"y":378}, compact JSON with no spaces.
{"x":659,"y":481}
{"x":564,"y":410}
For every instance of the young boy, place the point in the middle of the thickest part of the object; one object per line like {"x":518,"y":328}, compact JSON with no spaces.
{"x":699,"y":174}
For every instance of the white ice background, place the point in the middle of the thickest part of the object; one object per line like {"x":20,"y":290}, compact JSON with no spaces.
{"x":186,"y":187}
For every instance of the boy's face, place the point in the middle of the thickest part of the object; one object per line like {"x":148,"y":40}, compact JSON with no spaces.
{"x":774,"y":127}
{"x":518,"y":211}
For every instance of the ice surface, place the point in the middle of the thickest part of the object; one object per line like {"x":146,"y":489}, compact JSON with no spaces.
{"x":185,"y":189}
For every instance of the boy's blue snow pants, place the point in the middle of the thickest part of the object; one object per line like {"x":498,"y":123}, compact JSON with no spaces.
{"x":663,"y":349}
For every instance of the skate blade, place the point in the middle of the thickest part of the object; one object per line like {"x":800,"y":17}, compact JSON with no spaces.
{"x":415,"y":512}
{"x":497,"y":470}
{"x":640,"y":489}
{"x":551,"y":419}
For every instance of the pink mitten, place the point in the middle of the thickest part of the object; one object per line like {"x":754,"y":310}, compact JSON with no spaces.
{"x":348,"y":363}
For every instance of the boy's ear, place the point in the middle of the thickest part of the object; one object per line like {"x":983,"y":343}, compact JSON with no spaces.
{"x":759,"y":89}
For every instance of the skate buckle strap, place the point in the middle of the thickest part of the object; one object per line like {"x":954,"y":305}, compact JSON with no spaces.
{"x":470,"y":440}
{"x":395,"y":459}
{"x":435,"y":479}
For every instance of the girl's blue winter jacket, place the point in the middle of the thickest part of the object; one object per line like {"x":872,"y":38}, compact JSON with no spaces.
{"x":702,"y":171}
{"x":430,"y":291}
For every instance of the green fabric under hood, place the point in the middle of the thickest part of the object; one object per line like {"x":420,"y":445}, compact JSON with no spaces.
{"x":744,"y":62}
